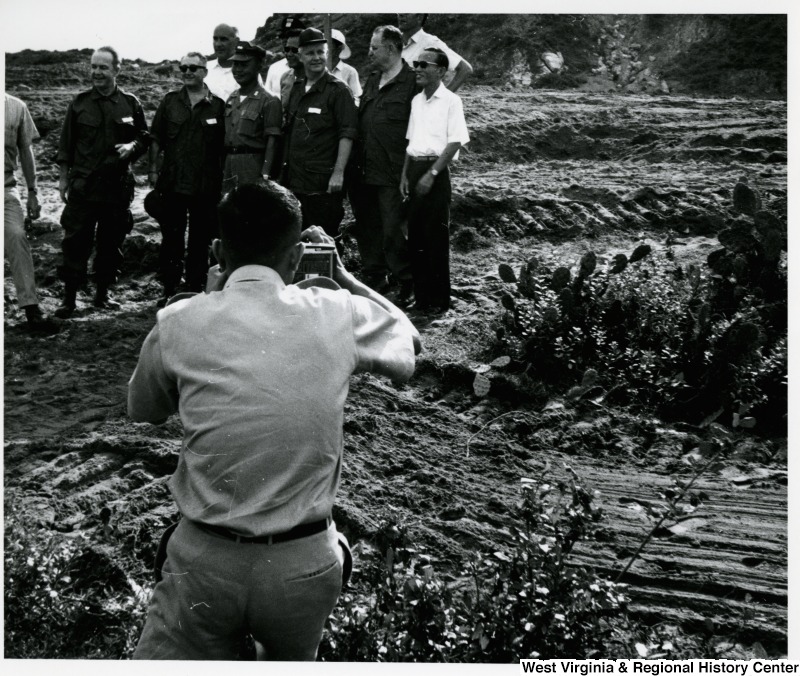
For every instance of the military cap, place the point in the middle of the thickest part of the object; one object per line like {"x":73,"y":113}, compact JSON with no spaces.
{"x":246,"y":51}
{"x":311,"y":36}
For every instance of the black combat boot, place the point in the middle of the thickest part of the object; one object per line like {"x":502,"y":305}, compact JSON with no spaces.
{"x":68,"y":305}
{"x":101,"y":299}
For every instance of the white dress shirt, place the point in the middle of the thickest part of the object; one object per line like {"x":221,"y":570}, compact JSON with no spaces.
{"x":274,"y":75}
{"x":349,"y":75}
{"x":435,"y":122}
{"x":220,"y":80}
{"x":421,"y":41}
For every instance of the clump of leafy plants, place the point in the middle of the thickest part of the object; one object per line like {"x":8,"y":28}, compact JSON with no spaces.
{"x":692,"y":343}
{"x":528,"y":601}
{"x":63,"y":599}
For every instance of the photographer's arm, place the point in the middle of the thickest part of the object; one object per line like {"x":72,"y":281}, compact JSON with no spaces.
{"x":347,"y":281}
{"x":152,"y":396}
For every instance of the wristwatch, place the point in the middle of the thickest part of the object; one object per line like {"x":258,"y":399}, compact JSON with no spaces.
{"x":434,"y":173}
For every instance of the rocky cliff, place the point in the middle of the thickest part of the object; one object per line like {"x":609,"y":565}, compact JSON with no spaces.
{"x":705,"y":54}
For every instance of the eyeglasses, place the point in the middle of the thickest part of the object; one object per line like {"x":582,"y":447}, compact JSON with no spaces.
{"x":291,"y":50}
{"x":191,"y":69}
{"x":424,"y":64}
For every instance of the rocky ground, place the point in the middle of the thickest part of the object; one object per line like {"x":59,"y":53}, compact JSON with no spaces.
{"x":550,"y":173}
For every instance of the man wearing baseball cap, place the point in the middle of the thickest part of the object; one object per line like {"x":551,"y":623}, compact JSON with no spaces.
{"x":321,"y":123}
{"x":252,"y":120}
{"x":341,"y":70}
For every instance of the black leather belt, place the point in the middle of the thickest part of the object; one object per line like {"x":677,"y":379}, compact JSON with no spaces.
{"x":301,"y":531}
{"x":243,"y":150}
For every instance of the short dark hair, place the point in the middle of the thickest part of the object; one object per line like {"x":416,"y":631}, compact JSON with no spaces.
{"x":390,"y":34}
{"x":258,"y":222}
{"x":113,"y":52}
{"x":441,"y":57}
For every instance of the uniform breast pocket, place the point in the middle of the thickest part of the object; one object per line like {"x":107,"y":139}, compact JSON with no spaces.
{"x":88,"y":125}
{"x":250,"y":123}
{"x":125,"y":130}
{"x":317,"y":119}
{"x":174,"y":124}
{"x":397,"y":111}
{"x":213,"y":127}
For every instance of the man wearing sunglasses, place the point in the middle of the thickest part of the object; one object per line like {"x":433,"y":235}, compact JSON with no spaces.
{"x":436,"y":131}
{"x":189,"y":132}
{"x":321,"y":123}
{"x":252,"y":120}
{"x":416,"y":40}
{"x":296,"y":70}
{"x":290,"y":62}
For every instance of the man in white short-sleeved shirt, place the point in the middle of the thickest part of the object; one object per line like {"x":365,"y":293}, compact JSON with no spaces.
{"x":416,"y":40}
{"x":259,"y":372}
{"x":436,"y":132}
{"x":20,"y":133}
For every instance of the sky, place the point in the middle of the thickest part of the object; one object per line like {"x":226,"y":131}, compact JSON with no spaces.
{"x":155,"y":30}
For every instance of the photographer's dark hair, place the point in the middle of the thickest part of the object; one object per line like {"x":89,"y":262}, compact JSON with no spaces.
{"x":258,"y":222}
{"x":441,"y":57}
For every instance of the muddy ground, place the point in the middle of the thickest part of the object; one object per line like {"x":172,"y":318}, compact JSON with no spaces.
{"x":551,"y":173}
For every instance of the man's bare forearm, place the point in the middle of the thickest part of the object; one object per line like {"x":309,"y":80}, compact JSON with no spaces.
{"x":462,"y":72}
{"x":28,"y":165}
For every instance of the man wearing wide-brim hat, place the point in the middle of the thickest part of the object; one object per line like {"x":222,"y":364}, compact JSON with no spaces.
{"x":321,"y":123}
{"x":341,"y":70}
{"x":252,"y":121}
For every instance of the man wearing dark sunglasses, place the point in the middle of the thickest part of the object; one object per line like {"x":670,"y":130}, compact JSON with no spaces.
{"x":189,"y":132}
{"x":416,"y":40}
{"x":290,"y":62}
{"x":295,"y":71}
{"x":436,"y":132}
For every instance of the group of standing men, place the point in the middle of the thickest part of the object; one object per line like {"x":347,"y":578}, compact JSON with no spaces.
{"x":387,"y":147}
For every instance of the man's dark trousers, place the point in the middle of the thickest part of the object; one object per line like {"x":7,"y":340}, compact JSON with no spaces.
{"x":380,"y":214}
{"x":324,"y":209}
{"x":429,"y":237}
{"x":112,"y":220}
{"x":202,"y":221}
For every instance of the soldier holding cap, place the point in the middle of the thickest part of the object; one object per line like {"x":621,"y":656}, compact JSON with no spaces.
{"x":321,"y":123}
{"x":252,"y":120}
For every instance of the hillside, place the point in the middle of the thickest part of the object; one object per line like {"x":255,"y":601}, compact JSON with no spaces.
{"x":724,"y":55}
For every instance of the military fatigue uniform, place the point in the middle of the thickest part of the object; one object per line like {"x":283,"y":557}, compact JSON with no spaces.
{"x":316,"y":120}
{"x":100,"y":187}
{"x":192,"y":138}
{"x":248,"y":125}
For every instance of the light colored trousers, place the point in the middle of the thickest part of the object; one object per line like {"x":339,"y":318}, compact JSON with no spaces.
{"x":215,"y":591}
{"x":18,"y":249}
